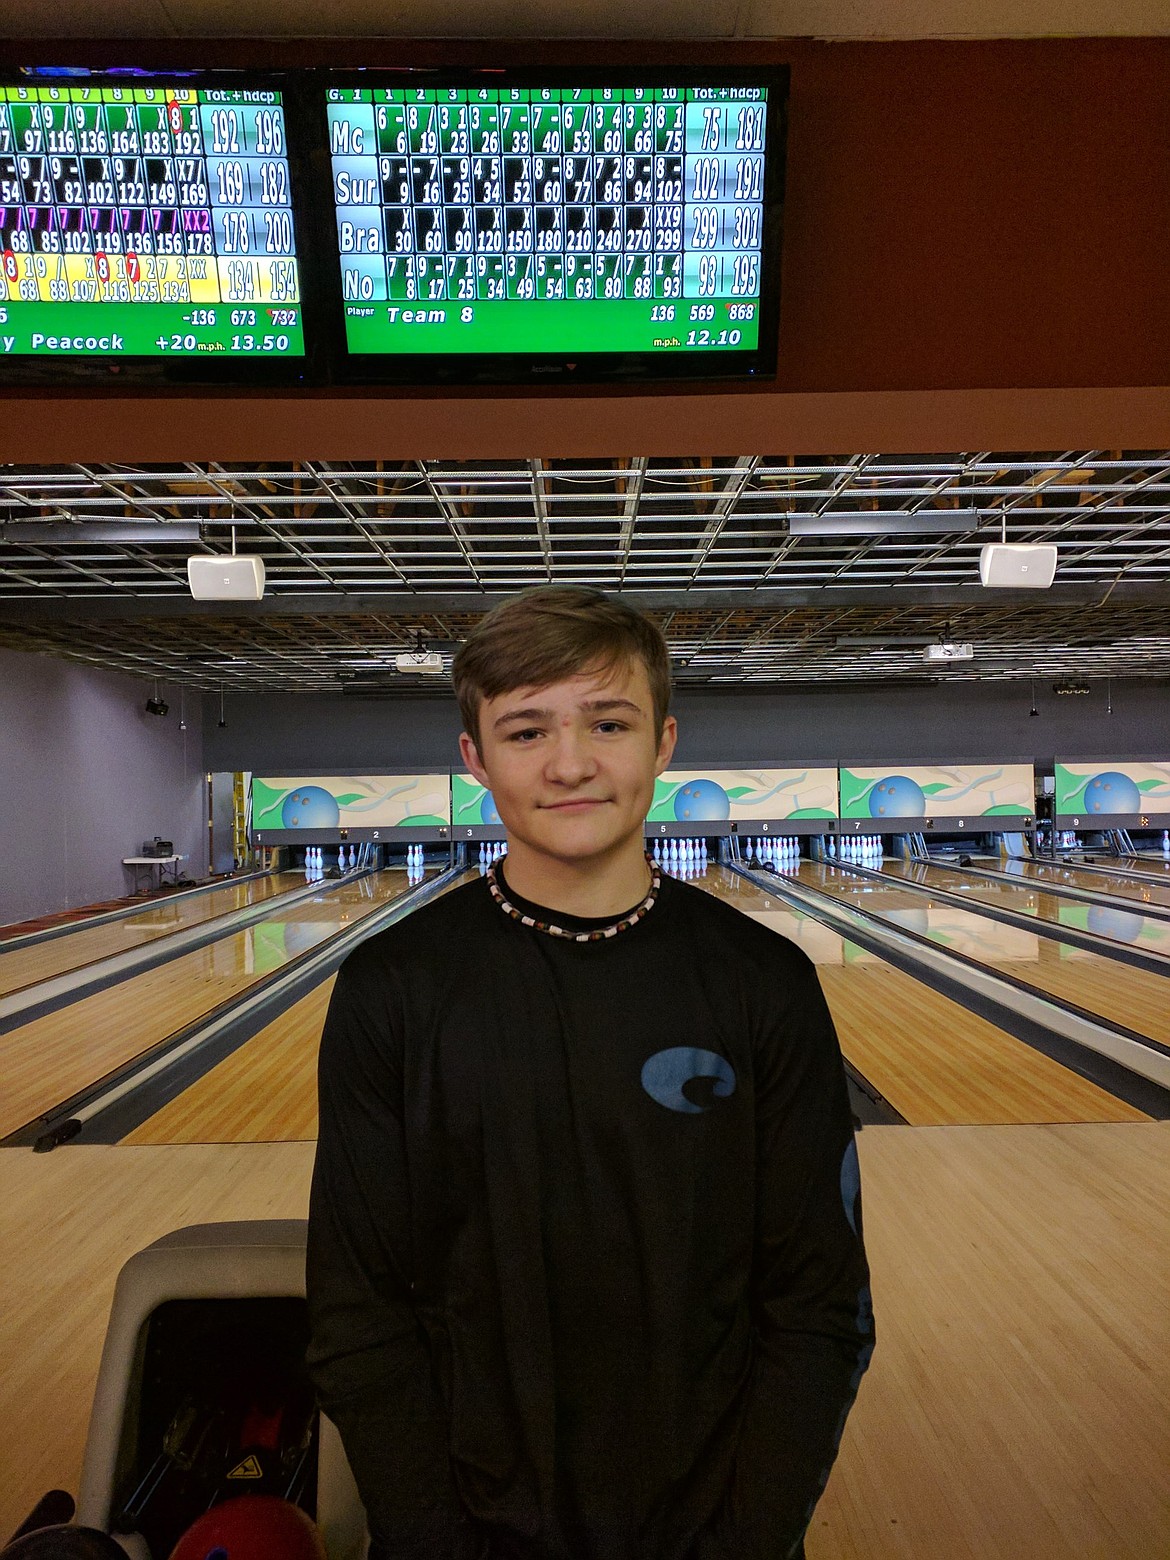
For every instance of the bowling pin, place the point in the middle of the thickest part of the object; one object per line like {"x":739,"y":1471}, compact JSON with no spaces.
{"x":341,"y":858}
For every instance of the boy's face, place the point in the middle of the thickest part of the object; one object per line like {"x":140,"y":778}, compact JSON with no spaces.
{"x":571,"y":766}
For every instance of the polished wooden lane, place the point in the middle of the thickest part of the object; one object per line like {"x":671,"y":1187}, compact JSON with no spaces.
{"x":265,"y":1092}
{"x":1017,"y":1407}
{"x":23,"y":966}
{"x":1118,"y":993}
{"x":1040,"y":871}
{"x":935,"y":1062}
{"x":52,"y":1057}
{"x":1115,"y":924}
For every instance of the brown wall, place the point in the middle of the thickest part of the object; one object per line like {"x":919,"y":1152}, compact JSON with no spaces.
{"x":968,"y":217}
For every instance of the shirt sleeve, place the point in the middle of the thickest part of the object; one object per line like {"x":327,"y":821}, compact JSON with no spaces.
{"x":368,"y":1354}
{"x":813,"y":1328}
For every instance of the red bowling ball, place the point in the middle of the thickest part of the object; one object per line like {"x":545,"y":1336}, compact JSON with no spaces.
{"x":252,"y":1527}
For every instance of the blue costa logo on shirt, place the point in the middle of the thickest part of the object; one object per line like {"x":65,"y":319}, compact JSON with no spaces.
{"x":666,"y":1072}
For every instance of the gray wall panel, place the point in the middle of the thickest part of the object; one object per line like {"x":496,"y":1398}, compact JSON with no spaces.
{"x":298,"y":734}
{"x":87,"y":776}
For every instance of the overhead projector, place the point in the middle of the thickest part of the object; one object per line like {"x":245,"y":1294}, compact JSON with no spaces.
{"x":949,"y":652}
{"x":428,"y":662}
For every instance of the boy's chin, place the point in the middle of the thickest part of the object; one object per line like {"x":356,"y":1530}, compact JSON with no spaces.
{"x":565,"y":843}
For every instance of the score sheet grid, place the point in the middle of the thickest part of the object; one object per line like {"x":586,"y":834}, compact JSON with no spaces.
{"x":456,"y":209}
{"x":114,"y":200}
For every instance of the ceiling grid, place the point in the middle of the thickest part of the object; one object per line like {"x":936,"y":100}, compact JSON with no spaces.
{"x":765,"y":570}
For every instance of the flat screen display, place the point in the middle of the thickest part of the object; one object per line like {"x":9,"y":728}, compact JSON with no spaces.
{"x":616,"y":225}
{"x":146,"y":221}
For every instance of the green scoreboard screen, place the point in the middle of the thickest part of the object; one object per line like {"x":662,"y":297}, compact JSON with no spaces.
{"x":146,"y":221}
{"x":553,"y":220}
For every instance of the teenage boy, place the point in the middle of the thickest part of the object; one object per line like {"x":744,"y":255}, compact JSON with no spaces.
{"x":585,"y":1275}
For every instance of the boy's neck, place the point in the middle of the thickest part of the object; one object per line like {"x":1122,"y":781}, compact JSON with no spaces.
{"x":592,"y":888}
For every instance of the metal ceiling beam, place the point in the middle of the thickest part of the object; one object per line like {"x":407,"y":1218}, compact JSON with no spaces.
{"x":386,"y":605}
{"x":74,"y":533}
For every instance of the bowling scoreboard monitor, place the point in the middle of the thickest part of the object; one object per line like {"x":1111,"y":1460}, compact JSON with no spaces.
{"x":147,"y":228}
{"x":518,"y":227}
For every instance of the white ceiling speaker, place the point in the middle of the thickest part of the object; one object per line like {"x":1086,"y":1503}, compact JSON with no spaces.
{"x":429,"y":663}
{"x":1016,"y":566}
{"x":225,"y":579}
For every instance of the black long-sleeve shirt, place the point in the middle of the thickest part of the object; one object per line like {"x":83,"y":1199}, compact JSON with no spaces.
{"x":585,"y":1271}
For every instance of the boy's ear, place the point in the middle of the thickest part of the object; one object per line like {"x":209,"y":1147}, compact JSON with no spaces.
{"x":470,"y":755}
{"x":666,"y":744}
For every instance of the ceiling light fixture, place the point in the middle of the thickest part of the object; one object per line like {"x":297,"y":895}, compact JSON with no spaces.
{"x":156,"y":705}
{"x":885,"y":522}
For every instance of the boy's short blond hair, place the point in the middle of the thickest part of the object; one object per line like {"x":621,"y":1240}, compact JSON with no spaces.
{"x":552,"y":632}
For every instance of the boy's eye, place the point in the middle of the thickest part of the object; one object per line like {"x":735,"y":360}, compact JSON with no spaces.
{"x":519,"y":736}
{"x":611,"y":725}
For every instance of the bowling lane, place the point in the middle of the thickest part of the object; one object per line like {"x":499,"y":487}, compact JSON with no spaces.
{"x":1118,"y":925}
{"x":1118,"y":993}
{"x":936,"y":1063}
{"x":51,"y":1058}
{"x":21,"y":967}
{"x":1095,"y":882}
{"x":264,"y":1092}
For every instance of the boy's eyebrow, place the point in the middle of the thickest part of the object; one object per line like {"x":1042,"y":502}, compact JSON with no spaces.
{"x":593,"y":706}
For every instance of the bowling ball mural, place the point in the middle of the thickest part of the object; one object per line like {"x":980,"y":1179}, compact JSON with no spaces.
{"x":327,"y":802}
{"x":1124,"y":789}
{"x":487,"y":810}
{"x":310,"y":807}
{"x":682,"y":796}
{"x":701,"y":801}
{"x":897,"y":796}
{"x":1112,"y":793}
{"x":472,"y":804}
{"x":938,"y":791}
